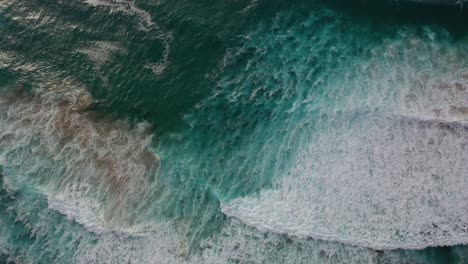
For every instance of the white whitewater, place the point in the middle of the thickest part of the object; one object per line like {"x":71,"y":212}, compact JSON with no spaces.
{"x":389,"y":167}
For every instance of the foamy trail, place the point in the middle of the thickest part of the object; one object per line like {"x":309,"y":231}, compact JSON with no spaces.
{"x":101,"y":52}
{"x":128,"y":7}
{"x":234,"y":243}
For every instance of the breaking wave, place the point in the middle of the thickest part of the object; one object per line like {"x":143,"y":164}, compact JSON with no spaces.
{"x":307,"y":125}
{"x":77,"y":158}
{"x":385,"y":162}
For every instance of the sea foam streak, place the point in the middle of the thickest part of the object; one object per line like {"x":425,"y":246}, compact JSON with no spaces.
{"x":146,"y":23}
{"x":236,"y":243}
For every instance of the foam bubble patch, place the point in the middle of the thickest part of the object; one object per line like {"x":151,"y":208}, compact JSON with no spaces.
{"x":387,"y":179}
{"x":384,"y":161}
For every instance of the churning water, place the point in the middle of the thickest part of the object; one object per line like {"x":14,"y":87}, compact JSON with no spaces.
{"x":243,"y":131}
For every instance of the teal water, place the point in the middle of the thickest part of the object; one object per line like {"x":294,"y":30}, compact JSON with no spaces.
{"x":232,"y":132}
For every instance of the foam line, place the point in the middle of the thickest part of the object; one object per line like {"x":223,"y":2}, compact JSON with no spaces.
{"x":383,"y":183}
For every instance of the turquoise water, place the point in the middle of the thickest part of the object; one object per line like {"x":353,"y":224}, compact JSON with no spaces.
{"x":232,"y":132}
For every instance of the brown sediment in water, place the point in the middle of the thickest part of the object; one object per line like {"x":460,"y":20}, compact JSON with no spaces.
{"x":107,"y":154}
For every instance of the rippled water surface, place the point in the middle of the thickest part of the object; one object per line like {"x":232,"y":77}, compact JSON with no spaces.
{"x":233,"y":131}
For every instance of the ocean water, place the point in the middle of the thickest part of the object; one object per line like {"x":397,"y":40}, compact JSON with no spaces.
{"x":233,"y":131}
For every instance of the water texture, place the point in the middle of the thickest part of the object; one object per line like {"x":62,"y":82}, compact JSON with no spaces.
{"x":233,"y":131}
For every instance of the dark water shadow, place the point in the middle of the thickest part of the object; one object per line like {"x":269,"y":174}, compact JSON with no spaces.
{"x":451,"y":16}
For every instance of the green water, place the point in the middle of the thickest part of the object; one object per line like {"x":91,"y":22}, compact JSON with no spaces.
{"x":232,"y":132}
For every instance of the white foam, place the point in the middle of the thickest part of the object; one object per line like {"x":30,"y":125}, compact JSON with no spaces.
{"x":387,"y":165}
{"x":5,"y":3}
{"x":380,"y":185}
{"x":164,"y":245}
{"x":101,"y":52}
{"x":159,"y":67}
{"x":88,"y":213}
{"x":235,"y":243}
{"x":82,"y":211}
{"x":383,"y":183}
{"x":146,"y":24}
{"x":129,"y":7}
